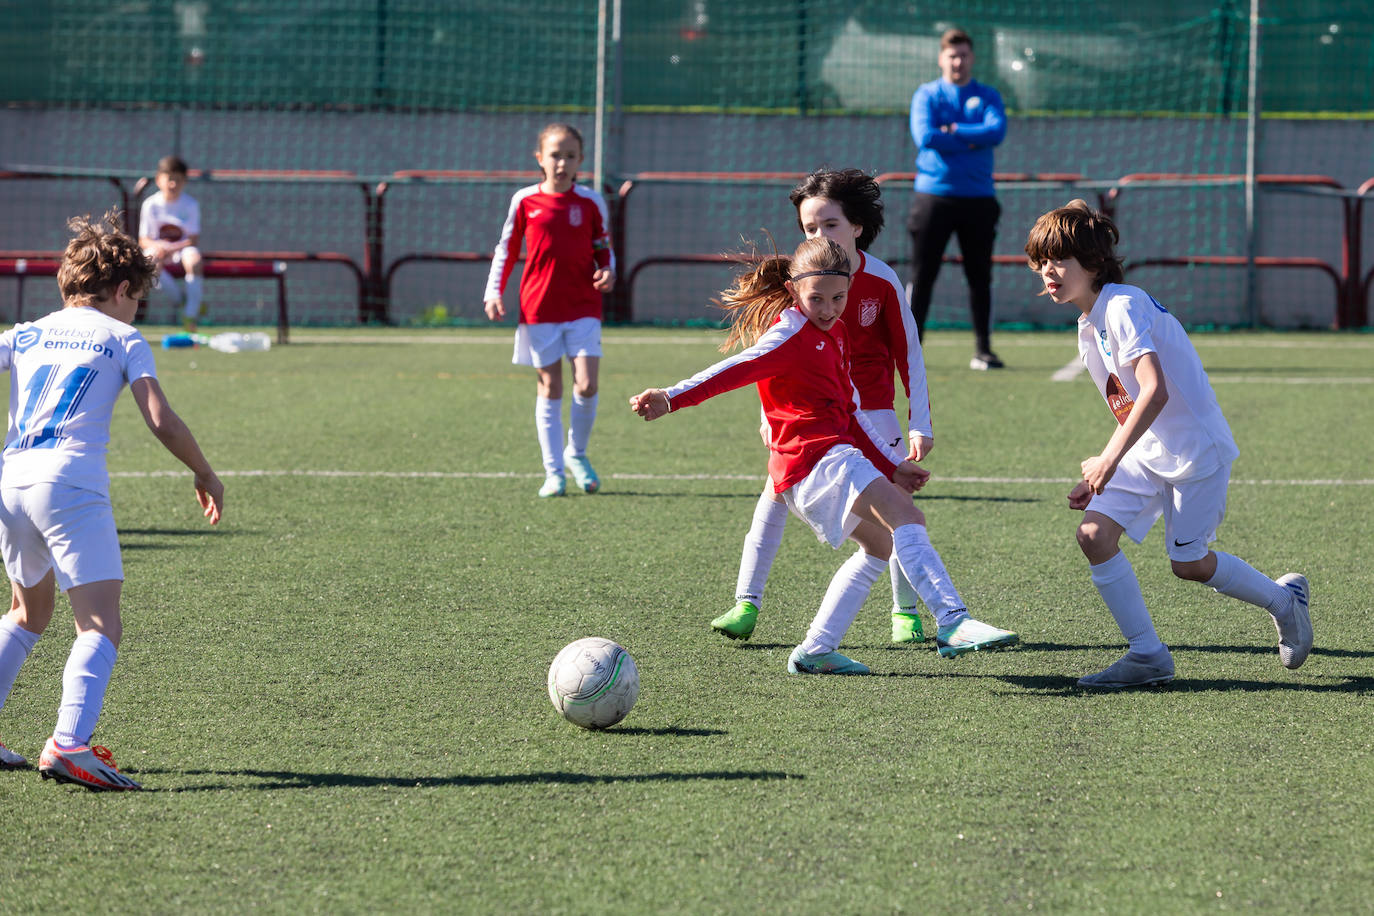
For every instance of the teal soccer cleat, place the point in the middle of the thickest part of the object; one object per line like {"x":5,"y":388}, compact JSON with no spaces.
{"x":582,"y":472}
{"x":828,"y":663}
{"x":969,"y":635}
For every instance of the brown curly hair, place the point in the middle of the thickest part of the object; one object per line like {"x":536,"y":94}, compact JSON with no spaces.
{"x":99,"y":257}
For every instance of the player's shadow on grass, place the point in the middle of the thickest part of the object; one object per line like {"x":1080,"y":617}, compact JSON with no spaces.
{"x":271,"y":780}
{"x":673,"y":494}
{"x":131,"y":538}
{"x":952,"y":498}
{"x":1067,"y":685}
{"x":1185,"y":647}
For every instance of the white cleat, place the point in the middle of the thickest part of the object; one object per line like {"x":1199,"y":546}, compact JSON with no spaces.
{"x":1295,"y":625}
{"x":1132,"y":671}
{"x":92,"y":767}
{"x":9,"y":760}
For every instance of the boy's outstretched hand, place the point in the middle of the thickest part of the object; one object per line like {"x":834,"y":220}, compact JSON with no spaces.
{"x":210,"y":495}
{"x":910,"y":476}
{"x":651,"y":403}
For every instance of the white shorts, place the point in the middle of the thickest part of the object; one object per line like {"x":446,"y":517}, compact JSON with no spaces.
{"x":50,"y":526}
{"x":1135,"y":498}
{"x":541,"y":345}
{"x":885,"y":422}
{"x":824,"y":499}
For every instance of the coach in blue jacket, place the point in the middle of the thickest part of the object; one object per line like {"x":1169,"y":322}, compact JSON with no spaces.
{"x":956,"y":122}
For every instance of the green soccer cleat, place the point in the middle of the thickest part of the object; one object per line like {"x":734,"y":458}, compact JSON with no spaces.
{"x":969,"y":635}
{"x":582,"y":472}
{"x":738,"y":622}
{"x":907,"y":627}
{"x":554,"y":485}
{"x":827,"y":663}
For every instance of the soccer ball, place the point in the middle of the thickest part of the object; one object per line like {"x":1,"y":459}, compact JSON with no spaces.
{"x":593,"y":682}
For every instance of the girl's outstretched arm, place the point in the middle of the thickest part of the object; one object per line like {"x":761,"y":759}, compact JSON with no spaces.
{"x":651,"y":403}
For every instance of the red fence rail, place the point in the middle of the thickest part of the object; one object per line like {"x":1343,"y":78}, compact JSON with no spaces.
{"x":374,"y":276}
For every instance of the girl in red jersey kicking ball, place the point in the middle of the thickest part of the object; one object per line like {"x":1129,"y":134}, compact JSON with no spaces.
{"x":826,"y":459}
{"x":568,"y":265}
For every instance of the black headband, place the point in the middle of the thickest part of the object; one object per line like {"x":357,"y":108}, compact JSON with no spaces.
{"x":820,"y":273}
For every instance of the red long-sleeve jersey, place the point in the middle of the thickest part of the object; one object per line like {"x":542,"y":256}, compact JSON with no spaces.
{"x":884,"y":336}
{"x":808,"y":398}
{"x":566,"y":239}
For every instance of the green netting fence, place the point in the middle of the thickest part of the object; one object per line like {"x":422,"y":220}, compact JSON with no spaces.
{"x":424,"y":115}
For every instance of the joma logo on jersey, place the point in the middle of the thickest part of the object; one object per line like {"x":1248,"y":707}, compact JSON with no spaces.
{"x":868,"y":311}
{"x":26,"y":338}
{"x":575,"y":216}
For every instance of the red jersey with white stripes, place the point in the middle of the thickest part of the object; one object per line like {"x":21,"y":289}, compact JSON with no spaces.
{"x":808,"y":399}
{"x":884,"y":335}
{"x":566,"y":238}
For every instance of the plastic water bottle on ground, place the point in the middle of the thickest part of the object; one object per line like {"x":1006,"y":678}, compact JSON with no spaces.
{"x":233,"y":342}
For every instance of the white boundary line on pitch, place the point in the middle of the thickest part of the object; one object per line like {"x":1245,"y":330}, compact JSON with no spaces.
{"x":513,"y":475}
{"x":615,"y":337}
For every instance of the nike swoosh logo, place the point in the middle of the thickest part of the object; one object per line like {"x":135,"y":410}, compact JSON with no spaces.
{"x":820,"y":346}
{"x":1178,"y":543}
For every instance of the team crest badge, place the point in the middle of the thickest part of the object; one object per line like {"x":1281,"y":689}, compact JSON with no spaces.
{"x":868,"y":311}
{"x":575,"y":216}
{"x":26,"y":338}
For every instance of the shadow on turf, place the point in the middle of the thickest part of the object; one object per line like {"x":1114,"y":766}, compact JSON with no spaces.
{"x":1184,"y":647}
{"x":1061,"y":686}
{"x":288,"y":779}
{"x":165,"y":533}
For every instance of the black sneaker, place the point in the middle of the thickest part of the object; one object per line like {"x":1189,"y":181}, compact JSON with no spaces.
{"x":985,"y":360}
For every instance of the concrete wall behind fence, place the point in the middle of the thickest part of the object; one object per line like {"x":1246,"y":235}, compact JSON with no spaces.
{"x":667,"y":219}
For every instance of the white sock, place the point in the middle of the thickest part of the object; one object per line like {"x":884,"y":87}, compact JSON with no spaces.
{"x":548,"y":423}
{"x":904,"y":597}
{"x":15,"y":645}
{"x":847,"y":593}
{"x":581,"y":416}
{"x":1116,"y":583}
{"x":195,"y":292}
{"x":924,"y":569}
{"x":760,"y":548}
{"x":1236,"y":578}
{"x":83,"y":688}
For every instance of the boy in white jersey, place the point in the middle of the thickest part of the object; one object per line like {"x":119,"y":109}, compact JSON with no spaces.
{"x":57,"y":529}
{"x":169,"y":231}
{"x":1171,"y":453}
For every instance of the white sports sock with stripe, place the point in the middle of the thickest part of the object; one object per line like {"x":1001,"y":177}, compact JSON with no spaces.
{"x":847,"y":593}
{"x":760,"y":548}
{"x":84,"y":681}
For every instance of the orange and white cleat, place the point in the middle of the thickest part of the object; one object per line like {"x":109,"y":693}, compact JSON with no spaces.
{"x":9,"y":760}
{"x":92,"y":767}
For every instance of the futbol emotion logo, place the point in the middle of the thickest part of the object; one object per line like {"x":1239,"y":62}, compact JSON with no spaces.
{"x":26,"y":338}
{"x":575,"y":216}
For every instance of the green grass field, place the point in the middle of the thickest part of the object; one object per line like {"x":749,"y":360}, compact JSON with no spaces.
{"x":339,"y":693}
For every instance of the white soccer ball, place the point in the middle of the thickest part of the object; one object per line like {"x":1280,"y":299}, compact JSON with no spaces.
{"x":593,"y":682}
